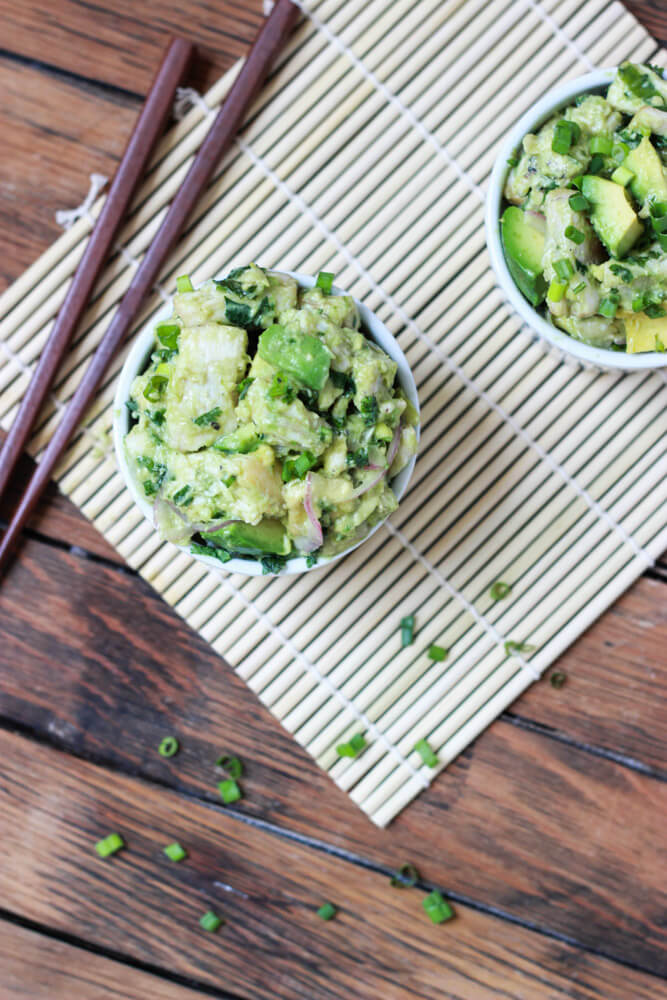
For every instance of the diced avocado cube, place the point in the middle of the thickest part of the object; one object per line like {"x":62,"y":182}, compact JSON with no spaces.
{"x":649,"y":182}
{"x":612,"y":215}
{"x":643,"y":333}
{"x":302,"y":356}
{"x":523,"y":244}
{"x":269,"y":536}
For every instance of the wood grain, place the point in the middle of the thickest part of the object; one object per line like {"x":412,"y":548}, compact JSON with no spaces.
{"x":521,"y":822}
{"x":379,"y":945}
{"x":36,"y":967}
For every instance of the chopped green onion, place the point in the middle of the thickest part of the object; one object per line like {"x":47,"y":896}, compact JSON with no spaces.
{"x":210,"y":921}
{"x":622,"y":175}
{"x":579,"y":203}
{"x":155,"y":388}
{"x":353,"y":747}
{"x":563,"y":267}
{"x":596,"y":164}
{"x":182,"y":497}
{"x":311,"y":560}
{"x":280,"y":388}
{"x":406,"y":876}
{"x":327,"y":911}
{"x":639,"y":84}
{"x":512,"y":161}
{"x":556,"y":291}
{"x":229,"y":481}
{"x":168,"y":747}
{"x":499,"y":591}
{"x":557,"y":679}
{"x":168,"y":333}
{"x":619,"y":151}
{"x":574,"y":234}
{"x":208,"y":418}
{"x":517,"y":647}
{"x":369,"y":409}
{"x":407,"y":630}
{"x":296,"y":468}
{"x":437,"y":909}
{"x":659,"y":346}
{"x":566,"y":133}
{"x":183,"y":284}
{"x":638,"y":303}
{"x":426,"y":752}
{"x":325,"y":281}
{"x":654,"y":311}
{"x":232,"y":765}
{"x":210,"y":550}
{"x":608,"y":307}
{"x":437,"y":653}
{"x":229,"y":791}
{"x":109,"y":845}
{"x":578,"y":181}
{"x":579,"y":288}
{"x":601,"y":144}
{"x":175,"y":852}
{"x":244,"y":385}
{"x":624,"y":273}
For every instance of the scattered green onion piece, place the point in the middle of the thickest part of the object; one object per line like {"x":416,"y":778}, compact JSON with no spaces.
{"x":574,"y":234}
{"x":426,"y":752}
{"x":608,"y":307}
{"x":244,"y":385}
{"x":619,"y":151}
{"x":517,"y":647}
{"x":556,"y":291}
{"x":437,"y":653}
{"x":325,"y":281}
{"x":622,"y":175}
{"x":499,"y":591}
{"x":563,"y":267}
{"x":596,"y":164}
{"x":210,"y":921}
{"x":167,"y":334}
{"x":183,"y":284}
{"x":579,"y":203}
{"x":579,"y":288}
{"x":229,"y":481}
{"x":659,"y":346}
{"x":624,"y":273}
{"x":557,"y":679}
{"x":654,"y":311}
{"x":406,"y":877}
{"x":207,"y":419}
{"x":109,"y":845}
{"x":175,"y":852}
{"x":213,"y":552}
{"x":601,"y":144}
{"x":230,"y":791}
{"x":327,"y":911}
{"x":565,"y":134}
{"x":232,"y":765}
{"x":578,"y":181}
{"x":155,"y":388}
{"x":638,"y":303}
{"x":638,"y":83}
{"x":311,"y":560}
{"x":168,"y":747}
{"x":512,"y":161}
{"x":437,"y":909}
{"x":353,"y":747}
{"x":407,"y":630}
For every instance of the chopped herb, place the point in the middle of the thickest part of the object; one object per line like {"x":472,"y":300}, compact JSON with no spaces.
{"x":156,"y":416}
{"x":133,"y":407}
{"x":563,"y":267}
{"x":517,"y":647}
{"x":280,"y":388}
{"x":557,"y":678}
{"x":150,"y":488}
{"x":640,"y":84}
{"x":638,"y":303}
{"x":659,"y":346}
{"x":244,"y":386}
{"x":654,"y":311}
{"x":232,"y":765}
{"x":358,"y":458}
{"x":109,"y":845}
{"x":405,"y":878}
{"x":175,"y":852}
{"x":512,"y":161}
{"x":230,"y":791}
{"x":155,"y":387}
{"x":168,"y":747}
{"x":353,"y":747}
{"x":327,"y":911}
{"x":296,"y":468}
{"x":369,"y":410}
{"x":265,"y":306}
{"x":210,"y":921}
{"x":209,"y":418}
{"x":238,"y":313}
{"x":624,"y":273}
{"x":579,"y":288}
{"x":183,"y":496}
{"x":574,"y":234}
{"x":325,"y":281}
{"x":499,"y":591}
{"x":168,"y":334}
{"x":426,"y":752}
{"x":578,"y":203}
{"x":210,"y":550}
{"x":596,"y":164}
{"x":229,"y":481}
{"x":437,"y":653}
{"x":407,"y":630}
{"x":164,"y":355}
{"x":183,"y":284}
{"x":311,"y":560}
{"x":343,"y":381}
{"x":437,"y":909}
{"x":608,"y":307}
{"x":272,"y":564}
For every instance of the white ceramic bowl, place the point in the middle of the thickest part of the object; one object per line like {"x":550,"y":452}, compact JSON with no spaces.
{"x":598,"y":357}
{"x":136,"y":362}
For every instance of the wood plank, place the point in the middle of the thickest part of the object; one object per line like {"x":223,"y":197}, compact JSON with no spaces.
{"x":521,"y":821}
{"x":36,"y":967}
{"x":653,"y":15}
{"x":122,"y":43}
{"x":267,"y":888}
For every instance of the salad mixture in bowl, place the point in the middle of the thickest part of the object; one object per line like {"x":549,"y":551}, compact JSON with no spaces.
{"x":584,"y":230}
{"x":267,"y":426}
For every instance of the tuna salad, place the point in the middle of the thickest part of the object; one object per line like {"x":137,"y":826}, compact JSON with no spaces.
{"x":584,"y":231}
{"x":267,"y":424}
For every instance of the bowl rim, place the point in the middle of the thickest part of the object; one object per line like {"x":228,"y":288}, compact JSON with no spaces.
{"x":134,"y":363}
{"x":598,"y":357}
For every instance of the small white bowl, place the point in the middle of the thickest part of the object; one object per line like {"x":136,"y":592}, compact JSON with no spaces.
{"x":135,"y":364}
{"x":597,"y":357}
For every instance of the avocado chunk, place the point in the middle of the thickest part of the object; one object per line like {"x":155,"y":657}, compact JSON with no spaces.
{"x":269,"y":536}
{"x":300,"y":356}
{"x":612,"y":215}
{"x":649,"y":182}
{"x":523,"y":244}
{"x":643,"y":333}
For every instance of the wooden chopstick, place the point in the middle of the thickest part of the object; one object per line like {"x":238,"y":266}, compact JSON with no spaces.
{"x":269,"y":41}
{"x":148,"y":129}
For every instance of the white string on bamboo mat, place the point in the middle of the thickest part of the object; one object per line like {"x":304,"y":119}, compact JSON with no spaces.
{"x":310,"y":668}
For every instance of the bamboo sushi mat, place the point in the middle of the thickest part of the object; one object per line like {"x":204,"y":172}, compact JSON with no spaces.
{"x":368,"y":154}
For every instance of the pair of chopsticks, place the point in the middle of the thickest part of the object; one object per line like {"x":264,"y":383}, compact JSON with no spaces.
{"x":150,"y":125}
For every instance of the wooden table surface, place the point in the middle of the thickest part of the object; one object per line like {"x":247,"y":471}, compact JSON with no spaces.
{"x":548,"y":833}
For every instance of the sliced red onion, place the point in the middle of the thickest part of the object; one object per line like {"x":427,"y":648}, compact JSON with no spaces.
{"x":360,"y":490}
{"x":163,"y":512}
{"x":207,"y":529}
{"x":316,"y":536}
{"x":393,"y":447}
